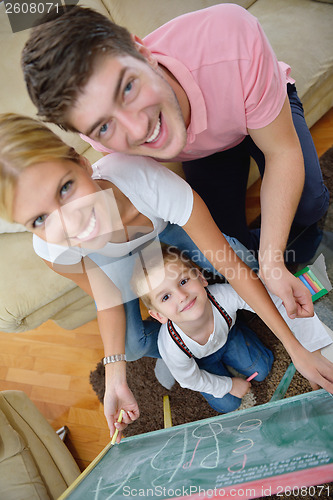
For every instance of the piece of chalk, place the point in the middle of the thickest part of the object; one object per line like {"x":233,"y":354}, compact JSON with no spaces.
{"x":167,"y":412}
{"x":303,"y":280}
{"x":115,"y":434}
{"x":315,"y":279}
{"x":251,"y":376}
{"x":312,"y":283}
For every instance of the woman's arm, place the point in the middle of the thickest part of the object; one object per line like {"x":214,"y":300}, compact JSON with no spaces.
{"x":206,"y":235}
{"x":112,"y":325}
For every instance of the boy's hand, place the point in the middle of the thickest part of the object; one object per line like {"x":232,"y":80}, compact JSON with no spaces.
{"x":240,"y":387}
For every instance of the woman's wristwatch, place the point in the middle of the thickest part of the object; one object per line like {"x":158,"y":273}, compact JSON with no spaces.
{"x":114,"y":358}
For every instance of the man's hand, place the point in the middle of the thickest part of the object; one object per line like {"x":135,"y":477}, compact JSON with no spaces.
{"x":314,"y":367}
{"x":294,"y":295}
{"x":115,"y":399}
{"x":240,"y":387}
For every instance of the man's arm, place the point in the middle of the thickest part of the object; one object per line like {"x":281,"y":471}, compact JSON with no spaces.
{"x":207,"y":236}
{"x":281,"y":190}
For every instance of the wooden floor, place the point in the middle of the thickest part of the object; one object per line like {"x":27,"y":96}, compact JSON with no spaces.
{"x":52,"y":365}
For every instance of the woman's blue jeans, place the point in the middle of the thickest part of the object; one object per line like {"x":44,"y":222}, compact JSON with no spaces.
{"x":141,"y":336}
{"x":244,"y":352}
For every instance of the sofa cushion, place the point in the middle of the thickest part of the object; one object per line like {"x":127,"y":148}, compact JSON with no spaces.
{"x":31,"y":292}
{"x":19,"y":477}
{"x":141,"y":17}
{"x":301,"y":34}
{"x":54,"y":462}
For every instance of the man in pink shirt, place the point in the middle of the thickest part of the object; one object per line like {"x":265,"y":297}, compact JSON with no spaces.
{"x":206,"y":89}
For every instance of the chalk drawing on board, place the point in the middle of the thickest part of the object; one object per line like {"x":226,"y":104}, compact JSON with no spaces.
{"x":250,"y":447}
{"x":173,"y":462}
{"x":211,"y":460}
{"x":98,"y":492}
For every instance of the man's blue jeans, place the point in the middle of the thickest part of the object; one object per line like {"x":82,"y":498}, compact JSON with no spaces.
{"x":244,"y":352}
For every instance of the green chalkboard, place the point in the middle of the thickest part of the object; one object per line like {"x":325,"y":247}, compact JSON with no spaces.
{"x":292,"y":436}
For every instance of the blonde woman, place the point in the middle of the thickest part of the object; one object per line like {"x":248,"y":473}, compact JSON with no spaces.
{"x":90,"y":222}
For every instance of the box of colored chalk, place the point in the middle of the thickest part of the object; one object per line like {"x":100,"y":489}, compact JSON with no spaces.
{"x":315,"y":278}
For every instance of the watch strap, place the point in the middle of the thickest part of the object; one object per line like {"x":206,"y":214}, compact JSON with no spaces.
{"x":114,"y":358}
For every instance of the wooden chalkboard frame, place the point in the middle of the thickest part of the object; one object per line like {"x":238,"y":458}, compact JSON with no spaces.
{"x":314,"y":470}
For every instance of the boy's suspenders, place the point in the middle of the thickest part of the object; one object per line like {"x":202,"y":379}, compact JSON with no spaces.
{"x":177,"y":338}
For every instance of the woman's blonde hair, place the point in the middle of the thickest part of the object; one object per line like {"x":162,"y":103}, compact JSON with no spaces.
{"x":25,"y":142}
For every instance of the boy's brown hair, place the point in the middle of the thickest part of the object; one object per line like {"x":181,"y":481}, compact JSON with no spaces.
{"x":61,"y":54}
{"x":160,"y":255}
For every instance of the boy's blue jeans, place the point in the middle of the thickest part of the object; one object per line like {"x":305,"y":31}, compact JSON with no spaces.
{"x":141,"y":336}
{"x":244,"y":352}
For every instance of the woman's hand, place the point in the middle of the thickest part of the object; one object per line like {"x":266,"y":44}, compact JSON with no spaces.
{"x":118,"y":398}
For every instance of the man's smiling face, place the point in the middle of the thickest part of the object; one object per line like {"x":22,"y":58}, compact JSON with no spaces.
{"x":128,"y":106}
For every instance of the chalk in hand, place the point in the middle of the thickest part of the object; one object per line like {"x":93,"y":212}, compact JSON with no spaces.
{"x":114,"y":437}
{"x":251,"y":376}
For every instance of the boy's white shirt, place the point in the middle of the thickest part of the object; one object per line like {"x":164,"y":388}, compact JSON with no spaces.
{"x":309,"y":331}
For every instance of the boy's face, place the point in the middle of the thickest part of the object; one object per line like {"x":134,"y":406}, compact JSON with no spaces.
{"x":180,"y":296}
{"x":128,"y":106}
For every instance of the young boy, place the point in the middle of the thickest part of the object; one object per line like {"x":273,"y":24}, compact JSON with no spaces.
{"x":198,"y":338}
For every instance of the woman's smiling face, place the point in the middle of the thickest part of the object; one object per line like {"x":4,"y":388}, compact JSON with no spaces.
{"x":59,"y":202}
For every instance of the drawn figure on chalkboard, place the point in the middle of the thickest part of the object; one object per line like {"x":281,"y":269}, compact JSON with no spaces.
{"x":199,"y":339}
{"x":172,"y":457}
{"x":203,"y":432}
{"x":168,"y":460}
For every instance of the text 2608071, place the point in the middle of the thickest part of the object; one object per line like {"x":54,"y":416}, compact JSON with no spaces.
{"x":30,"y":7}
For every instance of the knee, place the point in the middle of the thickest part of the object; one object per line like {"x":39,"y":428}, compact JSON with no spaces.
{"x":223,"y":405}
{"x":135,"y":348}
{"x":312,"y":208}
{"x":265,"y":366}
{"x":132,"y":354}
{"x":141,"y":343}
{"x":246,"y":255}
{"x":138,"y":350}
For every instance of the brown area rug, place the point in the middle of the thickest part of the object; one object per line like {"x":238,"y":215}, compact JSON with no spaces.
{"x":189,"y":406}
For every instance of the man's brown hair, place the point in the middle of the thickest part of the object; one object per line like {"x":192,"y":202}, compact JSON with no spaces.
{"x":60,"y":56}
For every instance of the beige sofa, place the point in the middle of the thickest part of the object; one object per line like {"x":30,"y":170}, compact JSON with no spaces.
{"x":34,"y":462}
{"x":300,"y":33}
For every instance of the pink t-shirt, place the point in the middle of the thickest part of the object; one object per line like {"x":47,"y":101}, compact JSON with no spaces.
{"x":224,"y":62}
